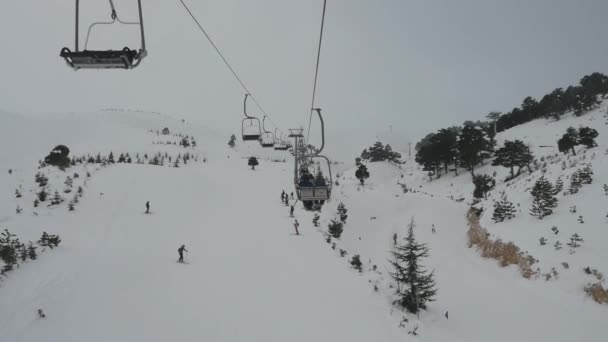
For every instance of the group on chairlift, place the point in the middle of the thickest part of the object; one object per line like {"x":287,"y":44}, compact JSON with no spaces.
{"x":308,"y":180}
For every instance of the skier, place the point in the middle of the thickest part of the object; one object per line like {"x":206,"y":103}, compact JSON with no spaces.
{"x":283,"y":196}
{"x":147,"y":207}
{"x":291,"y":211}
{"x":181,"y":251}
{"x":292,"y":195}
{"x":395,"y":239}
{"x":296,"y":224}
{"x":433,"y":229}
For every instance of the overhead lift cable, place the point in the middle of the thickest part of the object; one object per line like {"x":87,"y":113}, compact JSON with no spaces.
{"x":236,"y":76}
{"x":314,"y":88}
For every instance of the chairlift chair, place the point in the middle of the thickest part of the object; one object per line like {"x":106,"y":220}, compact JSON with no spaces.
{"x":254,"y":128}
{"x":124,"y":58}
{"x":266,"y":138}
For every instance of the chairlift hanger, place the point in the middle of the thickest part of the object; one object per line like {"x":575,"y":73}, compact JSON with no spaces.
{"x":125,"y":58}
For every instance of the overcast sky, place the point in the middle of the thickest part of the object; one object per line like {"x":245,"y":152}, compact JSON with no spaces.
{"x":415,"y":65}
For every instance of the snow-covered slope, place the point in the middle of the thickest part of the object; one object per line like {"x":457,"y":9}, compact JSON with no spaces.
{"x":115,"y":276}
{"x":248,"y":277}
{"x":485,"y":301}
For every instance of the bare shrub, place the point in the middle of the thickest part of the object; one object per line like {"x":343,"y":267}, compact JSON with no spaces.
{"x":597,"y":292}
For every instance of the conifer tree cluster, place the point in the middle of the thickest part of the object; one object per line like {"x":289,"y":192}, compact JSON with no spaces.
{"x":415,"y":286}
{"x":580,"y":177}
{"x":436,"y":151}
{"x":12,"y":250}
{"x":544,"y":200}
{"x":380,"y":152}
{"x":483,"y":185}
{"x":573,"y":137}
{"x":503,"y":209}
{"x":513,"y":154}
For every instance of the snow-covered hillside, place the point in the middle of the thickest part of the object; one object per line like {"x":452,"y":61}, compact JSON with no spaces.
{"x":248,"y":277}
{"x":483,"y":298}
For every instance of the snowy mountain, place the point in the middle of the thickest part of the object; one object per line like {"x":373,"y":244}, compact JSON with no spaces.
{"x":247,"y":276}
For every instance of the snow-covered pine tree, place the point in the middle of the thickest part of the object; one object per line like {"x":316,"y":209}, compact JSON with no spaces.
{"x":559,"y":185}
{"x":315,"y":220}
{"x":415,"y":286}
{"x":68,"y":184}
{"x":42,"y":195}
{"x":31,"y":251}
{"x":362,"y":173}
{"x":335,"y":228}
{"x":355,"y":262}
{"x":503,"y":209}
{"x":342,"y":212}
{"x":575,"y":183}
{"x":56,"y":199}
{"x":543,"y":198}
{"x":586,"y":174}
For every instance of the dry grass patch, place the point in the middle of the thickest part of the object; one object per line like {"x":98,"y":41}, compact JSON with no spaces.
{"x":507,"y":253}
{"x":597,"y":292}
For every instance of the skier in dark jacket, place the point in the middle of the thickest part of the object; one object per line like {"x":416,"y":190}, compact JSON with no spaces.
{"x":181,"y":251}
{"x":291,"y":211}
{"x":147,"y":207}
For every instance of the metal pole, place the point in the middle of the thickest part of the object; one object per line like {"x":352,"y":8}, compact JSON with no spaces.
{"x":77,"y":15}
{"x":141,"y":25}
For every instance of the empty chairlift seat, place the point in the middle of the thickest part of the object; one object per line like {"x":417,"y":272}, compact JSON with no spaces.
{"x":110,"y":59}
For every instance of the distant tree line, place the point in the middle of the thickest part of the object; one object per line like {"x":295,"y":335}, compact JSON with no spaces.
{"x":578,"y":99}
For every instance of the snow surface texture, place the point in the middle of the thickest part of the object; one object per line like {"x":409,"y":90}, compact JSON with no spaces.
{"x":247,"y":277}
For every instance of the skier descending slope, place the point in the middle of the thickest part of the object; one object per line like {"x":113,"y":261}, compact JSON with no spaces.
{"x":147,"y":207}
{"x":181,"y":251}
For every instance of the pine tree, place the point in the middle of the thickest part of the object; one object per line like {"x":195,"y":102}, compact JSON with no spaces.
{"x":335,"y":228}
{"x":31,"y":251}
{"x":68,"y":184}
{"x":253,"y":162}
{"x":362,"y":174}
{"x":575,"y":182}
{"x":586,"y":174}
{"x":483,"y":185}
{"x":503,"y":209}
{"x":315,"y":220}
{"x":575,"y":240}
{"x":232,"y":142}
{"x":559,"y":185}
{"x":415,"y":286}
{"x":111,"y":158}
{"x":544,"y":200}
{"x":587,"y":136}
{"x":8,"y":250}
{"x":472,"y":143}
{"x":42,"y":195}
{"x":355,"y":262}
{"x":512,"y":154}
{"x":342,"y":212}
{"x":568,"y":141}
{"x":56,"y":199}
